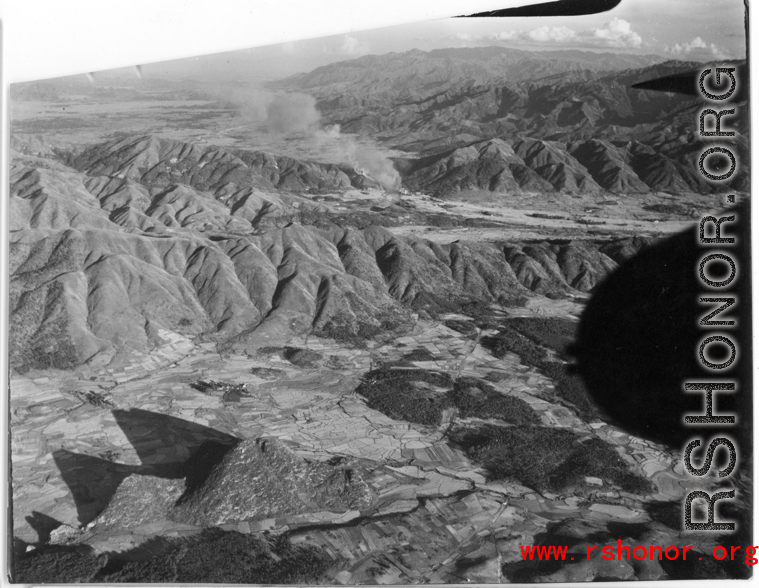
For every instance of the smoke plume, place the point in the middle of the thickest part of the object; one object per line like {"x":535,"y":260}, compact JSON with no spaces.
{"x":292,"y":113}
{"x":297,"y":114}
{"x":364,"y":157}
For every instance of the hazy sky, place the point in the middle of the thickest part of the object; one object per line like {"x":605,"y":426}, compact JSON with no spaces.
{"x":698,"y":30}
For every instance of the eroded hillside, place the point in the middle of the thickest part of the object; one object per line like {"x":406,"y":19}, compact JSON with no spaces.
{"x":125,"y":240}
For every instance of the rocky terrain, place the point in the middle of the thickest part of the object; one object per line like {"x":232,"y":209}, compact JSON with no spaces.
{"x":340,"y":369}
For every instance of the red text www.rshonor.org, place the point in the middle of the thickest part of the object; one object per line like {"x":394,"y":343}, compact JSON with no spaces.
{"x":639,"y":552}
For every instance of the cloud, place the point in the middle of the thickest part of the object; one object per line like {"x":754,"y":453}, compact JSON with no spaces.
{"x":352,"y":46}
{"x":289,"y":48}
{"x":618,"y":33}
{"x":552,"y":34}
{"x":504,"y":36}
{"x":696,"y":48}
{"x":679,"y":49}
{"x":347,"y":45}
{"x":615,"y":34}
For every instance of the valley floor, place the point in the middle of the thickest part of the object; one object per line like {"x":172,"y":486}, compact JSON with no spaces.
{"x":437,"y":518}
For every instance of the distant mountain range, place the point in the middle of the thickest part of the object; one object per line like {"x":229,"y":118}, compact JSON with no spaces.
{"x":416,"y":72}
{"x":502,"y":119}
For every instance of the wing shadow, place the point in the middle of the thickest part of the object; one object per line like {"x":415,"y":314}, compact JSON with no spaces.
{"x":164,"y":444}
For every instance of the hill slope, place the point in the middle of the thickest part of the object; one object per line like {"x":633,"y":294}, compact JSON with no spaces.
{"x":147,"y":239}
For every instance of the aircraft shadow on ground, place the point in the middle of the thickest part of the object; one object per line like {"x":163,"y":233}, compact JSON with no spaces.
{"x":168,"y":447}
{"x":42,"y":524}
{"x":639,"y":336}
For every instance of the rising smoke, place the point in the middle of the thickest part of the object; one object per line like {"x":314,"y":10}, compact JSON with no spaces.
{"x":297,"y":114}
{"x":292,"y":113}
{"x":365,"y":158}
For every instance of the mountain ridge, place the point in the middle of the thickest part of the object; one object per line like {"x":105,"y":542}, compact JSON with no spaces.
{"x":90,"y":285}
{"x":482,"y":64}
